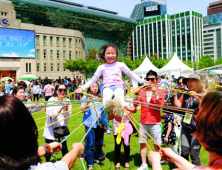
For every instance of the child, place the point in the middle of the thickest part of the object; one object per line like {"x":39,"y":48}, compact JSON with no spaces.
{"x":112,"y":79}
{"x":40,"y":94}
{"x":169,"y":135}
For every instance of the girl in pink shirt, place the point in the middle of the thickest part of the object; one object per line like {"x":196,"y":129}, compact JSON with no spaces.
{"x":112,"y":80}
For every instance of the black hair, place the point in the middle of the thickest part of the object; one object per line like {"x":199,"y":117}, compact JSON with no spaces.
{"x":103,"y":49}
{"x":23,"y":84}
{"x":57,"y":87}
{"x":89,"y":91}
{"x":181,"y":77}
{"x":16,"y":89}
{"x":19,"y":149}
{"x":151,"y":72}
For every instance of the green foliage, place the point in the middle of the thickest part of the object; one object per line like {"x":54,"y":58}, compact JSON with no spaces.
{"x":205,"y":61}
{"x":218,"y":61}
{"x":93,"y":55}
{"x":75,"y":65}
{"x":189,"y":64}
{"x":158,"y":63}
{"x":92,"y":65}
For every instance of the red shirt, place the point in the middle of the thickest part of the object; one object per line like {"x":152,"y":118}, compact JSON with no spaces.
{"x":148,"y":115}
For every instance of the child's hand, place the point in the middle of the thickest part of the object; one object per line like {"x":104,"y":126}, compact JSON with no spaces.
{"x":166,"y":139}
{"x":78,"y":91}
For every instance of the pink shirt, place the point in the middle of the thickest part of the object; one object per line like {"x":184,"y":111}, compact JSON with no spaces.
{"x":112,"y":75}
{"x":48,"y":90}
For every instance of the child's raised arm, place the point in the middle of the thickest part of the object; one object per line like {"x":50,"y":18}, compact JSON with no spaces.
{"x":90,"y":82}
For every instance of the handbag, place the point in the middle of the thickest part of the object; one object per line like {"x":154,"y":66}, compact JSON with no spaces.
{"x":61,"y":131}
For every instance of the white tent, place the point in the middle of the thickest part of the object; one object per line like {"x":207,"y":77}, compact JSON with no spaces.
{"x":143,"y":69}
{"x":176,"y":67}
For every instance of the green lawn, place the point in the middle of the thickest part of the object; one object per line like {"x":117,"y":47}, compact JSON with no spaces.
{"x":135,"y":160}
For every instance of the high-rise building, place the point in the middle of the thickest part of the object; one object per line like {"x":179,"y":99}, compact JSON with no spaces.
{"x":214,"y":8}
{"x":165,"y":35}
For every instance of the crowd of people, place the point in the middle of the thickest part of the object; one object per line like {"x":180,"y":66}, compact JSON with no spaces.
{"x":176,"y":135}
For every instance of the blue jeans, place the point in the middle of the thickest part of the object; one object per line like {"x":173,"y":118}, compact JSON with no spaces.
{"x":94,"y":140}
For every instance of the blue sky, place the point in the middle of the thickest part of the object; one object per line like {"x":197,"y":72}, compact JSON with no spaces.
{"x":17,"y":43}
{"x":125,"y":7}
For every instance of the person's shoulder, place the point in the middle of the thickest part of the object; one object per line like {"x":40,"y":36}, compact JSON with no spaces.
{"x":52,"y":98}
{"x":59,"y":165}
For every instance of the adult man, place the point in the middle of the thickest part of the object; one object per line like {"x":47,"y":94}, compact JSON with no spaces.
{"x":174,"y":79}
{"x":7,"y":87}
{"x":150,"y":118}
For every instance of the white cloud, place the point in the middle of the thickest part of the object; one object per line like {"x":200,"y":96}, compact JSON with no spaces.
{"x":10,"y":55}
{"x":32,"y":50}
{"x":31,"y":55}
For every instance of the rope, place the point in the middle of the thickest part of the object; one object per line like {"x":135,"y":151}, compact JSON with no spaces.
{"x":141,"y":127}
{"x":137,"y":129}
{"x":62,"y":112}
{"x":63,"y":119}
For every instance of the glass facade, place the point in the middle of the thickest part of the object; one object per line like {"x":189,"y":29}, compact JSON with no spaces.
{"x":168,"y":34}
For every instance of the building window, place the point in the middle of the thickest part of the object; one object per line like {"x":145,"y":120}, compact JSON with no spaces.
{"x":44,"y":40}
{"x":57,"y":41}
{"x":64,"y":54}
{"x":57,"y":53}
{"x":30,"y":67}
{"x":70,"y":55}
{"x":27,"y":67}
{"x":44,"y":66}
{"x":70,"y":42}
{"x":79,"y":54}
{"x":51,"y":54}
{"x":51,"y":66}
{"x":57,"y":67}
{"x":76,"y":43}
{"x":64,"y":41}
{"x":51,"y":41}
{"x":44,"y":54}
{"x":79,"y":43}
{"x":37,"y":53}
{"x":76,"y":54}
{"x":37,"y":39}
{"x":37,"y":67}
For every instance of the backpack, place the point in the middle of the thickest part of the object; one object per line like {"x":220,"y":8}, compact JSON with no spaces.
{"x":2,"y":88}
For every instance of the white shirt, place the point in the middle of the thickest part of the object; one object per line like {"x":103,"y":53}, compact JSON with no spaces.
{"x":51,"y":110}
{"x":59,"y":165}
{"x":148,"y":96}
{"x":36,"y":89}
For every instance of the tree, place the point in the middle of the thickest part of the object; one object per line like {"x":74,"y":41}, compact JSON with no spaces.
{"x":93,"y":55}
{"x":75,"y":65}
{"x":219,"y":61}
{"x":205,"y":61}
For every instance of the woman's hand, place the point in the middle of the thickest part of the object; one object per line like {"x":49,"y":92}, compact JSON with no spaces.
{"x":166,"y":139}
{"x":169,"y":154}
{"x":79,"y":90}
{"x":55,"y":147}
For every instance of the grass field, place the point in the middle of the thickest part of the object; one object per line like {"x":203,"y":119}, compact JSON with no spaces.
{"x":135,"y":160}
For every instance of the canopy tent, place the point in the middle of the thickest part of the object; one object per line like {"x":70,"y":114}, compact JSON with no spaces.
{"x":215,"y":71}
{"x":176,"y":67}
{"x":143,"y":69}
{"x":28,"y":77}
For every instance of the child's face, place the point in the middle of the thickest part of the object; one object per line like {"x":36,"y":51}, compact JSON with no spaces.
{"x":110,"y":55}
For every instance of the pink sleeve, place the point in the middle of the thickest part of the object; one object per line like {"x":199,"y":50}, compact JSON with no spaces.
{"x":93,"y":79}
{"x":131,"y":74}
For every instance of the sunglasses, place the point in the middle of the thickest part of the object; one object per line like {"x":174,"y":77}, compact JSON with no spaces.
{"x":62,"y":90}
{"x":180,"y":83}
{"x":148,"y":79}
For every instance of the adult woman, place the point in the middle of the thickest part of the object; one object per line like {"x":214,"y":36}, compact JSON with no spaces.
{"x":95,"y":134}
{"x":17,"y":123}
{"x":35,"y":90}
{"x":60,"y":91}
{"x":19,"y":93}
{"x":190,"y":144}
{"x":209,"y":133}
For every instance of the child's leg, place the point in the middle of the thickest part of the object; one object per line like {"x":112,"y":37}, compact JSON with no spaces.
{"x":119,"y":92}
{"x":107,"y":94}
{"x":108,"y":102}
